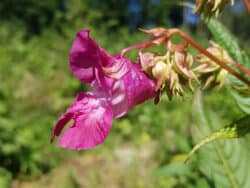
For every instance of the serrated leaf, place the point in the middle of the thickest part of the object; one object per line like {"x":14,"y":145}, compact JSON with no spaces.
{"x":242,"y":100}
{"x":230,"y":43}
{"x":224,"y":38}
{"x":236,"y":129}
{"x":226,"y":163}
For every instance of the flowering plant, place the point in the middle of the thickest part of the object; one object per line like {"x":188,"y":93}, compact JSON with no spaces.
{"x":118,"y":84}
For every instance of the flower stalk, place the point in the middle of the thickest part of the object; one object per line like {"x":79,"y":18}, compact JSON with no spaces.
{"x":142,"y":45}
{"x":212,"y":57}
{"x":162,"y":36}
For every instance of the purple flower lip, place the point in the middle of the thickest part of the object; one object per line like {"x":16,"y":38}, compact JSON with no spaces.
{"x":92,"y":122}
{"x":117,"y":83}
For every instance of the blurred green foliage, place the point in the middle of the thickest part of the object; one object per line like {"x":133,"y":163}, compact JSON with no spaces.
{"x":36,"y":86}
{"x":29,"y":87}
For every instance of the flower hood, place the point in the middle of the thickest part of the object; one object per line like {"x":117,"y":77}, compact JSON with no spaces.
{"x":117,"y":83}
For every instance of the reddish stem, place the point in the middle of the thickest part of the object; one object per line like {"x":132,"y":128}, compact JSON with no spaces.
{"x":142,"y":45}
{"x":240,"y":67}
{"x":211,"y":56}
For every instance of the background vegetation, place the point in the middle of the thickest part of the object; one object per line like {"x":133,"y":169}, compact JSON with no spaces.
{"x":36,"y":86}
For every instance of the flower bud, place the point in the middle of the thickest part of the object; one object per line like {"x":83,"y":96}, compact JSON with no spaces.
{"x":182,"y":64}
{"x":209,"y":65}
{"x":210,"y":72}
{"x":147,"y":61}
{"x":155,"y":32}
{"x":221,"y":77}
{"x":210,"y":8}
{"x":160,"y":70}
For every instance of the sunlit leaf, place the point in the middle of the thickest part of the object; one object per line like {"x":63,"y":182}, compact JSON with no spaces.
{"x":224,"y":38}
{"x":230,"y":43}
{"x":242,"y":100}
{"x":236,"y":129}
{"x":224,"y":162}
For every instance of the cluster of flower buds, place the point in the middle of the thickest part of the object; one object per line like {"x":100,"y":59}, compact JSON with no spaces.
{"x":175,"y":71}
{"x":210,"y":72}
{"x":210,"y":8}
{"x":171,"y":71}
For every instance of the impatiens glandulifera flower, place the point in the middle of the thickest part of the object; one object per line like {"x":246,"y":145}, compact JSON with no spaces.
{"x":211,"y":73}
{"x":118,"y":85}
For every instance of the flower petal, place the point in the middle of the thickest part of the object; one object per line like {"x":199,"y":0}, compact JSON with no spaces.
{"x":92,"y":118}
{"x":138,"y":86}
{"x":133,"y":88}
{"x":86,"y":56}
{"x":63,"y":120}
{"x":116,"y":69}
{"x":119,"y":100}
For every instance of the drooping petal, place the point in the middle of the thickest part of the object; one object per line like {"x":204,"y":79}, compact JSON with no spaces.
{"x":86,"y":56}
{"x":92,"y":117}
{"x":63,"y":120}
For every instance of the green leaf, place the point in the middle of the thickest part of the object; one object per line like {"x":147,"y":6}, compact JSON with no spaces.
{"x":235,"y":130}
{"x":224,"y":163}
{"x":224,"y":38}
{"x":177,"y":168}
{"x":242,"y":100}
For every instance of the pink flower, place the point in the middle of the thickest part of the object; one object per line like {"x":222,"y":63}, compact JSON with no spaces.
{"x":118,"y":85}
